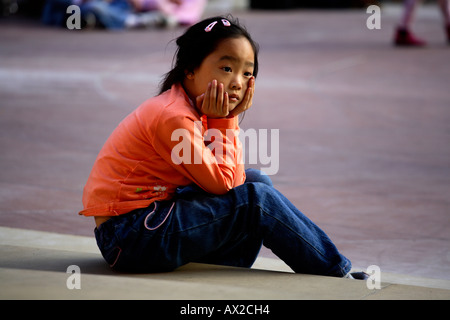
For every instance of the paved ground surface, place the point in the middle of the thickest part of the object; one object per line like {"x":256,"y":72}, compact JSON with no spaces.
{"x":37,"y":265}
{"x":364,"y":127}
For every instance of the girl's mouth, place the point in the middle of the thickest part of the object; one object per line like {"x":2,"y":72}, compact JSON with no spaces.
{"x":233,"y":97}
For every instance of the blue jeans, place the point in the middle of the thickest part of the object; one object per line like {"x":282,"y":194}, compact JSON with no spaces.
{"x":229,"y":229}
{"x":111,"y":15}
{"x":54,"y":12}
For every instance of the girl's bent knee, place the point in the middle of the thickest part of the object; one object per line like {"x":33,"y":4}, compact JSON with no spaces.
{"x":254,"y":175}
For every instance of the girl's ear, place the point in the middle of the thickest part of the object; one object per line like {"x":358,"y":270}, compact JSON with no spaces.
{"x":189,"y":74}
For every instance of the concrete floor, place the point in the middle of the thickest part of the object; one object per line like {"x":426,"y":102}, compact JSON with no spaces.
{"x":38,"y":265}
{"x":364,"y":127}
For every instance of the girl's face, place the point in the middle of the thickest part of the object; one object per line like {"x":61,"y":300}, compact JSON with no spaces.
{"x":230,"y":64}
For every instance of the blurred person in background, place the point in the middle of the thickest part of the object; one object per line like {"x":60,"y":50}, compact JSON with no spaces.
{"x":54,"y":11}
{"x":126,"y":14}
{"x":184,"y":12}
{"x":405,"y":37}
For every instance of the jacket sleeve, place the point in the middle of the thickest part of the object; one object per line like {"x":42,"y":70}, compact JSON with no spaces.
{"x":207,"y":151}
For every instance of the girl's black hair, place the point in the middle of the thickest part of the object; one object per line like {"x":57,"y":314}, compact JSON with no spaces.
{"x":196,"y":44}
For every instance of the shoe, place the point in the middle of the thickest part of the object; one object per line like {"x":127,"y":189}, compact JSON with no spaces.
{"x":89,"y":21}
{"x":170,"y":22}
{"x":149,"y":20}
{"x":361,"y":275}
{"x":404,"y":37}
{"x":156,"y":20}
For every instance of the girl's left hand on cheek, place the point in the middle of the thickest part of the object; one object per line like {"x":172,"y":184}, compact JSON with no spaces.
{"x":246,"y":103}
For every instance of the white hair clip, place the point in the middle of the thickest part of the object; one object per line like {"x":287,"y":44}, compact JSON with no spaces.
{"x":225,"y":22}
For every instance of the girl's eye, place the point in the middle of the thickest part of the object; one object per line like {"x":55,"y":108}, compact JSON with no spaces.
{"x":226,"y":69}
{"x":248,"y":74}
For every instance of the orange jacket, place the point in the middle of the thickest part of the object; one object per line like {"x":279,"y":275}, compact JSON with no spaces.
{"x":159,"y":146}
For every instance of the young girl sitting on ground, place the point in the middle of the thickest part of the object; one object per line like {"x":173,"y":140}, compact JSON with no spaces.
{"x":158,"y":207}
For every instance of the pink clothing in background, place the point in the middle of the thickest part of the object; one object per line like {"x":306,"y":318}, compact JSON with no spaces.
{"x":188,"y":12}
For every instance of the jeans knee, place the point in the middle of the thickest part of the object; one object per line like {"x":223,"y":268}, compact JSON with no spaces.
{"x":97,"y":7}
{"x":254,"y":175}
